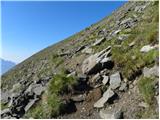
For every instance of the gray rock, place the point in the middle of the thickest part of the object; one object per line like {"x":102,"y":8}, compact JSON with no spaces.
{"x":147,"y":72}
{"x":132,"y":44}
{"x":80,"y":48}
{"x":30,"y":104}
{"x":105,"y":60}
{"x":5,"y":97}
{"x":116,"y":32}
{"x":37,"y":89}
{"x":78,"y":98}
{"x":100,"y":103}
{"x":128,"y":23}
{"x":139,"y":8}
{"x":90,"y":65}
{"x":146,"y":48}
{"x":115,"y":80}
{"x":99,"y":41}
{"x":122,"y":37}
{"x":96,"y":79}
{"x":82,"y":77}
{"x":93,"y":63}
{"x":87,"y":50}
{"x":5,"y":111}
{"x":123,"y":86}
{"x":143,"y":104}
{"x":110,"y":115}
{"x":105,"y":80}
{"x":72,"y":74}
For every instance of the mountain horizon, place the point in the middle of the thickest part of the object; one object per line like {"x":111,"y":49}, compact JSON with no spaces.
{"x":6,"y":65}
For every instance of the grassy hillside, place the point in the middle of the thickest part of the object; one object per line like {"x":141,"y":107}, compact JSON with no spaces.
{"x":55,"y":60}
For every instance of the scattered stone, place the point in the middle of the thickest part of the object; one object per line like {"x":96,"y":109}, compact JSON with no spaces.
{"x":132,"y":44}
{"x":5,"y":97}
{"x":105,"y":80}
{"x":139,"y":8}
{"x":90,"y":65}
{"x":5,"y":112}
{"x":80,"y":48}
{"x":128,"y":23}
{"x":108,"y":115}
{"x":96,"y":78}
{"x":72,"y":74}
{"x":146,"y":48}
{"x":122,"y":37}
{"x":78,"y":98}
{"x":30,"y":104}
{"x":37,"y":89}
{"x":143,"y":104}
{"x":106,"y":96}
{"x":87,"y":50}
{"x":131,"y":86}
{"x":116,"y":32}
{"x":147,"y":72}
{"x":123,"y":86}
{"x":99,"y":41}
{"x":82,"y":77}
{"x":115,"y":80}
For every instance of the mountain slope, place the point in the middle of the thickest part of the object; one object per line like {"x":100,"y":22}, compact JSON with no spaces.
{"x":6,"y":65}
{"x":108,"y":70}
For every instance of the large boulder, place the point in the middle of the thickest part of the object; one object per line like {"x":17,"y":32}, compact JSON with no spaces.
{"x":115,"y":80}
{"x":37,"y":89}
{"x":93,"y":63}
{"x":106,"y":96}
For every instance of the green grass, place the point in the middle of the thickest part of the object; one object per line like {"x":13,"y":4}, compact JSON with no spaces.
{"x":3,"y":106}
{"x":146,"y":88}
{"x":51,"y":104}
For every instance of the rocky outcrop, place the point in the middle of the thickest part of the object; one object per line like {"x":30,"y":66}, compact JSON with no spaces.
{"x":97,"y":62}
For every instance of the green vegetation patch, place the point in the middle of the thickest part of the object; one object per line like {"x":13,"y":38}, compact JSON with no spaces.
{"x":51,"y":104}
{"x":146,"y":88}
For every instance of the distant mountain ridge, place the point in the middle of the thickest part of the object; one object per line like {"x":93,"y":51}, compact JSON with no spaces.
{"x":6,"y":65}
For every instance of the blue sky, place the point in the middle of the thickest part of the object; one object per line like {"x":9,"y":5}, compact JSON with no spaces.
{"x":28,"y":27}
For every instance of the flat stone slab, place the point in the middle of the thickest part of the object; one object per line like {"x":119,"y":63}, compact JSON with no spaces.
{"x":100,"y":103}
{"x":115,"y":80}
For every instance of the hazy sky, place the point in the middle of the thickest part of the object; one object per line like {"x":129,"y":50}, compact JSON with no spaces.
{"x":28,"y":27}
